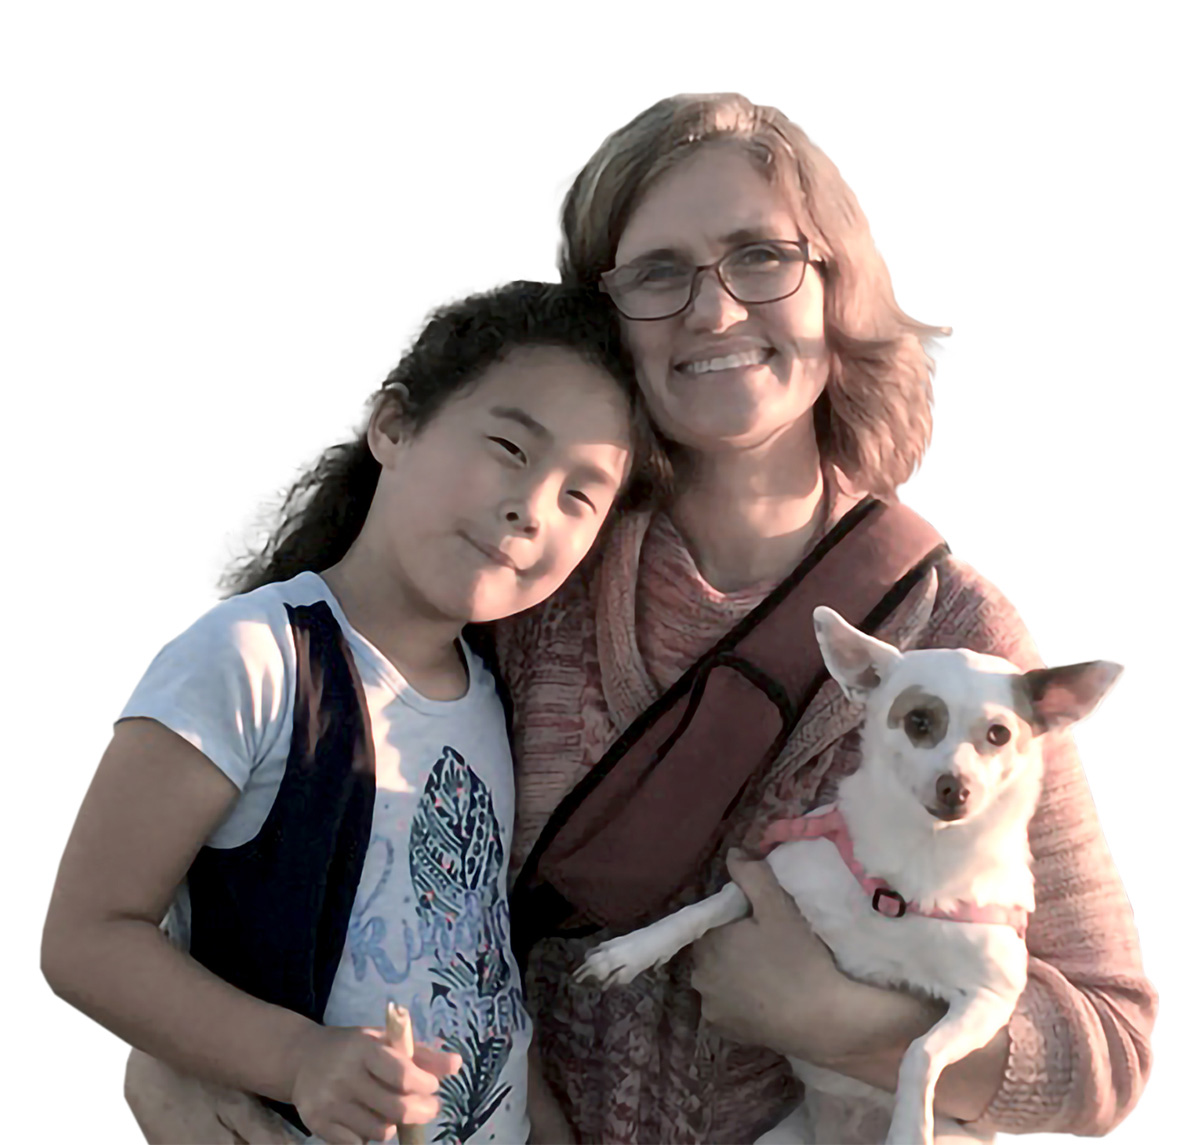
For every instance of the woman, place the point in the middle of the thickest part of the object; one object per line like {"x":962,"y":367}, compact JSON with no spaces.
{"x":785,"y":396}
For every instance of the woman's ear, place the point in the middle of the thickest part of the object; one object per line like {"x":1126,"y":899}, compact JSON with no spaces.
{"x":387,"y":430}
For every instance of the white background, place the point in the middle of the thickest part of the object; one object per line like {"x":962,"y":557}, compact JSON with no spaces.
{"x":222,"y":223}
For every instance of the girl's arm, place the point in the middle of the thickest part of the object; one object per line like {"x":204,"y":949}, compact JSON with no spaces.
{"x":154,"y":800}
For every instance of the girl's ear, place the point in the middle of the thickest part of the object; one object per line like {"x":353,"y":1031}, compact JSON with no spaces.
{"x":387,"y":431}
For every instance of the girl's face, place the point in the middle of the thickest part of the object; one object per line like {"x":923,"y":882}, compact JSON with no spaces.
{"x":488,"y":509}
{"x":724,"y":375}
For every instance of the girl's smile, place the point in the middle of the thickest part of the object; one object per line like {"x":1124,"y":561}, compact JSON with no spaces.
{"x":491,"y":553}
{"x":487,"y":508}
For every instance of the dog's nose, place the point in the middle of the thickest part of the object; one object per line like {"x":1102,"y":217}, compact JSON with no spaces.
{"x":952,"y":793}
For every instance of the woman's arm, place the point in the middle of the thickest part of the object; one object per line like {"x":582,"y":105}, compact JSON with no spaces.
{"x":548,"y":1124}
{"x":1080,"y":1035}
{"x":1076,"y":1053}
{"x":179,"y":1109}
{"x":1079,"y":1039}
{"x":768,"y":980}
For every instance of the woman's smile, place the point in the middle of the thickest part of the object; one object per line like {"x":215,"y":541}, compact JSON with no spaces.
{"x":724,"y":373}
{"x":722,"y":362}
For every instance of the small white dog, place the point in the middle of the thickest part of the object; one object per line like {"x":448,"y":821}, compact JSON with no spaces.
{"x":919,"y":876}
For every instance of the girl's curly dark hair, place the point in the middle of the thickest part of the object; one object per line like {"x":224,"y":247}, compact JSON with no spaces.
{"x":324,"y":510}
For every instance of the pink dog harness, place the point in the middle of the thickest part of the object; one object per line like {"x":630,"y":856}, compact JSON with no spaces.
{"x":828,"y":823}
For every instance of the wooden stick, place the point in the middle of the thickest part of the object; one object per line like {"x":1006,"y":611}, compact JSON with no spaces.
{"x":399,"y":1033}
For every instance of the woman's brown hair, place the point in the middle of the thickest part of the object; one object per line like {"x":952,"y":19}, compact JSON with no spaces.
{"x":874,"y":419}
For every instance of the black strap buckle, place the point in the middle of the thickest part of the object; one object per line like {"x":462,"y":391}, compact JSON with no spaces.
{"x":881,"y":893}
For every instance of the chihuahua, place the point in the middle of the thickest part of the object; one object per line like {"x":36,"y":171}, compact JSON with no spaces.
{"x":918,"y":877}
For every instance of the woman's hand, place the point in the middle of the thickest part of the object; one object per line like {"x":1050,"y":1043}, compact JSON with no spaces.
{"x":183,"y":1110}
{"x":768,"y":980}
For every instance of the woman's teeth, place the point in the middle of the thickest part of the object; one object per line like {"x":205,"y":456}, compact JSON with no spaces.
{"x":729,"y":362}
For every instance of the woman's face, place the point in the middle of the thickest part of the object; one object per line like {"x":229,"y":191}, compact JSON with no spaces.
{"x":724,"y":375}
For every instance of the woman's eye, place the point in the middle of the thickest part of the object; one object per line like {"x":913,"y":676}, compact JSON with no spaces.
{"x":998,"y":735}
{"x":661,"y":274}
{"x":759,"y":256}
{"x":509,"y":447}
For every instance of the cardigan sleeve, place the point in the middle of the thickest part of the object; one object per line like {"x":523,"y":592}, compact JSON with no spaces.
{"x":1079,"y":1049}
{"x":516,"y":642}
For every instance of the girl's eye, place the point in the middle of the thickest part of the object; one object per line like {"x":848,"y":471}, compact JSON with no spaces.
{"x":509,"y":447}
{"x":583,"y":497}
{"x":998,"y":735}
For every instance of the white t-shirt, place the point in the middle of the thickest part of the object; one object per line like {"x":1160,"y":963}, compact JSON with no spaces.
{"x":444,"y":779}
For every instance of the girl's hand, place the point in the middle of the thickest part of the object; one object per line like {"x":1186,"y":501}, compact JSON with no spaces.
{"x":174,"y":1107}
{"x":351,"y":1086}
{"x":768,"y":980}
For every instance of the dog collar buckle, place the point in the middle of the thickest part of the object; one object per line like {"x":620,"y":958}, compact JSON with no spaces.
{"x":897,"y":906}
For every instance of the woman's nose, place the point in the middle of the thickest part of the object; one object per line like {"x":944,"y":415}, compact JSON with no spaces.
{"x":713,"y":307}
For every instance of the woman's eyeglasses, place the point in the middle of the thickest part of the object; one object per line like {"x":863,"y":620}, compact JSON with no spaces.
{"x":653,"y":288}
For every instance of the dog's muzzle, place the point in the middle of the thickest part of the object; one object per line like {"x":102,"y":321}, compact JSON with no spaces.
{"x":951,"y":797}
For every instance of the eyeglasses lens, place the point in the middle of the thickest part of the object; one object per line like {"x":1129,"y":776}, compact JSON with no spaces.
{"x":757,"y":272}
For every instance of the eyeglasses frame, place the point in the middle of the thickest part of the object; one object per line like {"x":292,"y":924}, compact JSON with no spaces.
{"x":801,"y":243}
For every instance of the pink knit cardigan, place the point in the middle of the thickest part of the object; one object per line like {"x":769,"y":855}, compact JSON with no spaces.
{"x":637,"y":1063}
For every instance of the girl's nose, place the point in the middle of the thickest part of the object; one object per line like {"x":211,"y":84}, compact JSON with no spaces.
{"x":521,"y":516}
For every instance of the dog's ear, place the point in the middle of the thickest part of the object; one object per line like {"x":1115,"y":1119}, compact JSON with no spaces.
{"x":858,"y":662}
{"x":1060,"y":696}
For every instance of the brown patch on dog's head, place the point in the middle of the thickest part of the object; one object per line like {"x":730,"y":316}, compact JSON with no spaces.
{"x":924,"y":716}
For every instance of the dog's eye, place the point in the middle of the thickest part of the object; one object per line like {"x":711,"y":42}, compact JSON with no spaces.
{"x":998,"y":734}
{"x":918,"y":722}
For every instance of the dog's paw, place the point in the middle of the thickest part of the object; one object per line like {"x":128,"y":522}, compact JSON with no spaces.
{"x":617,"y":962}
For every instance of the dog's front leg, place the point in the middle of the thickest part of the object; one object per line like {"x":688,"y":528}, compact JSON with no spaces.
{"x":623,"y":959}
{"x":970,"y":1023}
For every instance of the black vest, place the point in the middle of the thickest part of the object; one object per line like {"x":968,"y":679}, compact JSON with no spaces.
{"x":271,"y":916}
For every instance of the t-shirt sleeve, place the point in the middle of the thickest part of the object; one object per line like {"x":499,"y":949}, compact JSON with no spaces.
{"x":224,"y":684}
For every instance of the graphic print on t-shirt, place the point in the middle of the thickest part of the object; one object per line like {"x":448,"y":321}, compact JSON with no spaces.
{"x":456,"y":858}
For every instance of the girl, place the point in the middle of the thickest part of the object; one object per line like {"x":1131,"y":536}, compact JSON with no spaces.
{"x":326,"y":762}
